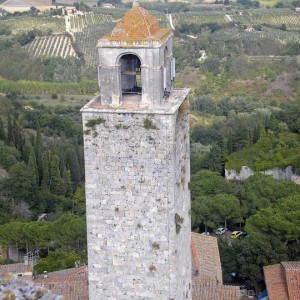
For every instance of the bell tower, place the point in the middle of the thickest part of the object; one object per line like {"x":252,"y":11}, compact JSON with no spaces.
{"x":137,"y":166}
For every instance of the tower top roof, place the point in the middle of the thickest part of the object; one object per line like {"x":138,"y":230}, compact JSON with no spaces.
{"x":137,"y":25}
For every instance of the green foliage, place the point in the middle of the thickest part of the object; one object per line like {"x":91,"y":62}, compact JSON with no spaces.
{"x":262,"y":191}
{"x":39,"y":87}
{"x":178,"y":222}
{"x":9,"y":155}
{"x":252,"y":255}
{"x":203,"y":213}
{"x":227,"y":207}
{"x":93,"y":122}
{"x":27,"y":37}
{"x":22,"y":183}
{"x":269,"y":152}
{"x":148,"y":124}
{"x":56,"y":261}
{"x":281,"y":221}
{"x":70,"y":232}
{"x":206,"y":183}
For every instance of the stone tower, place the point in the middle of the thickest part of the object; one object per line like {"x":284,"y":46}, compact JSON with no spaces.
{"x":136,"y":144}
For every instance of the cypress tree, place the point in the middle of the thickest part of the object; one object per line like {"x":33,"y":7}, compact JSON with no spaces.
{"x":38,"y":149}
{"x":2,"y":132}
{"x":18,"y":138}
{"x":9,"y":130}
{"x":46,"y":170}
{"x":32,"y":163}
{"x":73,"y":165}
{"x":57,"y":185}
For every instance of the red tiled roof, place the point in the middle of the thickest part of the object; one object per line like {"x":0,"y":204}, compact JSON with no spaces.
{"x":207,"y":272}
{"x":71,"y":283}
{"x":138,"y":24}
{"x":208,"y":256}
{"x":208,"y":289}
{"x":276,"y":282}
{"x":292,"y":273}
{"x":15,"y":268}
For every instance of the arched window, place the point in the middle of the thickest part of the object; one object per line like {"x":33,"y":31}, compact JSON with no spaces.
{"x":131,"y":82}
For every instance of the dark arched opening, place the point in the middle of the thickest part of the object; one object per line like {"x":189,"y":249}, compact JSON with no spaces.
{"x":131,"y":81}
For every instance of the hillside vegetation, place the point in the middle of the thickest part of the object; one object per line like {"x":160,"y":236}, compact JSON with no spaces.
{"x":242,"y":63}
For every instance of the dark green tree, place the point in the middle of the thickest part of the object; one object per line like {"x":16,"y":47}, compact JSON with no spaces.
{"x":206,"y":183}
{"x":73,"y":165}
{"x":9,"y":130}
{"x":57,"y":185}
{"x":46,"y":170}
{"x":2,"y":132}
{"x":22,"y":183}
{"x":57,"y":260}
{"x":227,"y":207}
{"x":38,"y":149}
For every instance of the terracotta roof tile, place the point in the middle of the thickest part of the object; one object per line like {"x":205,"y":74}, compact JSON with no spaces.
{"x":72,"y":283}
{"x":15,"y":268}
{"x":208,"y":256}
{"x":138,"y":24}
{"x":292,"y":272}
{"x":276,"y":282}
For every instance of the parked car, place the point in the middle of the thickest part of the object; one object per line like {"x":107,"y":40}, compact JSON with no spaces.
{"x":236,"y":234}
{"x":244,"y":234}
{"x":205,"y":233}
{"x":221,"y":230}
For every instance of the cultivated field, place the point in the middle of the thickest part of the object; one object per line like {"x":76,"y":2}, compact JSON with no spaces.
{"x":76,"y":23}
{"x":19,"y":25}
{"x":24,"y":5}
{"x":273,"y":17}
{"x":53,"y":46}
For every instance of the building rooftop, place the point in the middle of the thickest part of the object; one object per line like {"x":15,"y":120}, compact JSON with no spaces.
{"x":207,"y":272}
{"x":138,"y":26}
{"x":283,"y":280}
{"x":72,"y":283}
{"x":18,"y":268}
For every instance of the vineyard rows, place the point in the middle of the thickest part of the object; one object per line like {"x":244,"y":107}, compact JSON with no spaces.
{"x":19,"y":25}
{"x":88,"y":38}
{"x":289,"y":18}
{"x":266,"y":33}
{"x":76,"y":23}
{"x":54,"y":45}
{"x":195,"y":17}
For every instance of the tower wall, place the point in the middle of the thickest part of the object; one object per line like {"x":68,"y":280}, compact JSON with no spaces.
{"x":138,"y":202}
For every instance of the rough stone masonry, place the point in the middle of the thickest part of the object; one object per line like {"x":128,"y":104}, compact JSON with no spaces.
{"x":136,"y":147}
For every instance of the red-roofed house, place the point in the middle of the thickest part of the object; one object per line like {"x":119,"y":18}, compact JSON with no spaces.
{"x":283,"y":281}
{"x":19,"y":269}
{"x":207,"y":272}
{"x":71,"y":283}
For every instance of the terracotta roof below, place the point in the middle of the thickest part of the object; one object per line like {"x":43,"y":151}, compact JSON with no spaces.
{"x":208,"y":257}
{"x":292,"y":273}
{"x":71,"y":283}
{"x":18,"y":268}
{"x":276,"y":282}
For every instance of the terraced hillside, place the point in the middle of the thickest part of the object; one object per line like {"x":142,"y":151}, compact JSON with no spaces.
{"x":55,"y":45}
{"x":273,"y":17}
{"x":76,"y":23}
